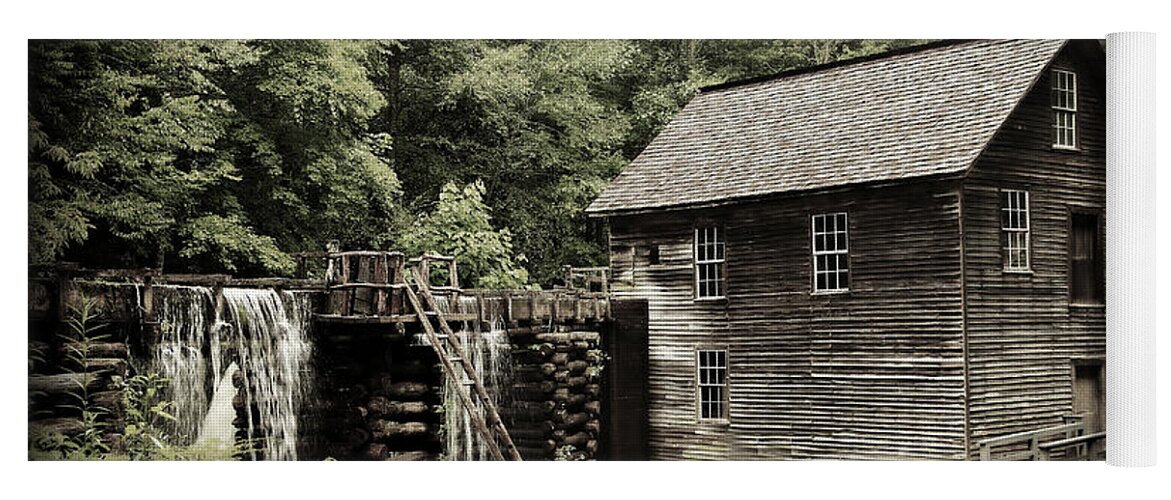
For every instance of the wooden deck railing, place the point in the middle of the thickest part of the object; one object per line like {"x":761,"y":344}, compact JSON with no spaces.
{"x":1060,"y":442}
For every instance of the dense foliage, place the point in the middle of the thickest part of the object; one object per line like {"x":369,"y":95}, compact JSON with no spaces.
{"x":206,"y":156}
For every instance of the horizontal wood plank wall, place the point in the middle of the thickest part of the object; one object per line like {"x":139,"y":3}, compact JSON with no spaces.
{"x":676,"y":326}
{"x":1022,"y":330}
{"x":873,"y":374}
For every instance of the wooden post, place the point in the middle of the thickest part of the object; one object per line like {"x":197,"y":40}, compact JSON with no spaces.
{"x":425,"y":269}
{"x":480,"y":319}
{"x":508,"y":308}
{"x":347,"y":295}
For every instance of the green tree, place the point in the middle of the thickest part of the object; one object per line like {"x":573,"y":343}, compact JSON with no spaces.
{"x":531,"y":119}
{"x":460,"y":226}
{"x":204,"y":155}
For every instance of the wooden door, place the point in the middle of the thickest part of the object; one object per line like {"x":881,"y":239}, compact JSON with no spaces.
{"x":624,"y":414}
{"x":1089,"y":395}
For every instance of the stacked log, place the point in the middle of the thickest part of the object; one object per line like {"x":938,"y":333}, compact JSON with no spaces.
{"x":556,"y":392}
{"x":378,"y":398}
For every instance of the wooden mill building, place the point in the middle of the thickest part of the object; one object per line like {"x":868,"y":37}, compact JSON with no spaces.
{"x":900,"y":256}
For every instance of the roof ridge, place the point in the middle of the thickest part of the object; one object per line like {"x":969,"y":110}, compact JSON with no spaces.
{"x":837,"y":64}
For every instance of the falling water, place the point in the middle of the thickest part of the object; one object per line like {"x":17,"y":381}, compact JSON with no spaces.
{"x":179,"y":356}
{"x":489,"y":354}
{"x":271,"y":336}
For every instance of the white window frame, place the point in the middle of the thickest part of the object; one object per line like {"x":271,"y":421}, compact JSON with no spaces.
{"x":835,"y":253}
{"x":1064,"y":108}
{"x":714,"y":257}
{"x":701,"y":382}
{"x":1015,"y":238}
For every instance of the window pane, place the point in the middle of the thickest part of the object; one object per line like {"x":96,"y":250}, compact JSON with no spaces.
{"x":1086,"y":280}
{"x":830,"y":247}
{"x":712,"y":386}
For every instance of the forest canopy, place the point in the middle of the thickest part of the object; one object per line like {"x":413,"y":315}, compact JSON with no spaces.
{"x":225,"y":156}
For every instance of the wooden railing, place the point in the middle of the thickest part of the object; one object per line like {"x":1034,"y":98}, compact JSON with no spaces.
{"x":1060,"y":442}
{"x":365,"y":282}
{"x":368,"y":287}
{"x":587,"y":279}
{"x":422,"y":265}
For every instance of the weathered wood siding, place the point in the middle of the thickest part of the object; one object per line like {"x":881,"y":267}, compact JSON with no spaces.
{"x":874,"y":373}
{"x":1022,"y":330}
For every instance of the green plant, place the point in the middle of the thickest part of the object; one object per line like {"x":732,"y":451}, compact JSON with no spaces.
{"x":461,"y":225}
{"x":83,"y":328}
{"x":86,"y":443}
{"x":146,"y":416}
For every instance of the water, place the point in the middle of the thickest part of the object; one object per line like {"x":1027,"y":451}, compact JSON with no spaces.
{"x":217,"y":434}
{"x":262,"y":333}
{"x":270,"y":332}
{"x":489,"y":353}
{"x":187,"y":316}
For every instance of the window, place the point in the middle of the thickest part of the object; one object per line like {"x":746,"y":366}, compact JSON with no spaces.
{"x":1064,"y":109}
{"x":653,"y":256}
{"x":831,"y":268}
{"x":709,"y":263}
{"x":712,"y":383}
{"x":1086,"y":264}
{"x":1014,"y":226}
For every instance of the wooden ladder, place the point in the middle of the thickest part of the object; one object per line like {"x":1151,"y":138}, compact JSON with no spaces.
{"x":450,"y":351}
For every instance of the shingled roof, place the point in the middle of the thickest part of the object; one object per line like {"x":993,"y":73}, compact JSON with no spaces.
{"x":907,"y":115}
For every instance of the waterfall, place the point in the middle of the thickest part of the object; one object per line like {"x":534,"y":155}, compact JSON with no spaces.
{"x":489,"y":353}
{"x":179,"y":355}
{"x":271,"y":335}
